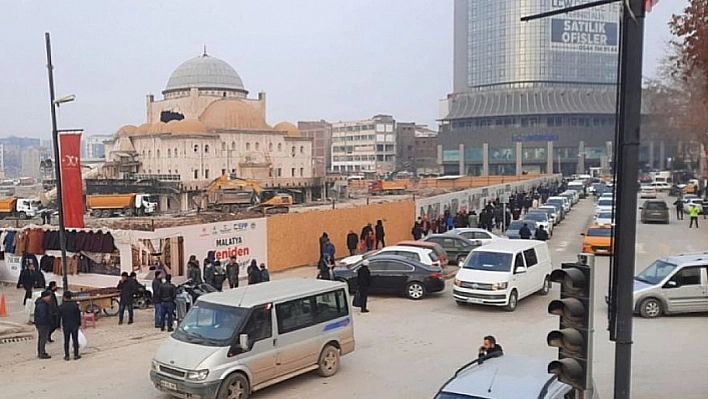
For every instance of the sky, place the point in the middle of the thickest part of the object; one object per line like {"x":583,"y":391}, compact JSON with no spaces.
{"x":319,"y":59}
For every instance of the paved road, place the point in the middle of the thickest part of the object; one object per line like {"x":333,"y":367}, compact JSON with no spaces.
{"x":407,"y":349}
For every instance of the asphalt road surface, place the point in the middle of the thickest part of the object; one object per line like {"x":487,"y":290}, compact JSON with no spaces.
{"x":407,"y":349}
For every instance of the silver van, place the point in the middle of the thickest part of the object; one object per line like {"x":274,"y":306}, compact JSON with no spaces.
{"x":235,"y":342}
{"x":505,"y":377}
{"x":673,"y":284}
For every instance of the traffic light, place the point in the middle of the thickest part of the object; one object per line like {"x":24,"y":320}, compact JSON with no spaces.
{"x":574,"y":336}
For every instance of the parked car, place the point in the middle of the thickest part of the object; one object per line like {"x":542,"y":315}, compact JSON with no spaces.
{"x":506,"y":376}
{"x":690,"y":201}
{"x":541,"y":219}
{"x":604,"y":204}
{"x":513,"y":230}
{"x":350,"y":260}
{"x":560,"y":215}
{"x":562,"y":201}
{"x":654,"y":211}
{"x":661,"y":186}
{"x":424,"y":255}
{"x":604,"y":218}
{"x":672,"y":284}
{"x":647,"y":192}
{"x":550,"y":212}
{"x":438,"y":249}
{"x":475,"y":233}
{"x":393,"y":274}
{"x":456,"y":247}
{"x":503,"y":272}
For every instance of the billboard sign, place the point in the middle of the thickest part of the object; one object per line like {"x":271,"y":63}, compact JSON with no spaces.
{"x":593,"y":30}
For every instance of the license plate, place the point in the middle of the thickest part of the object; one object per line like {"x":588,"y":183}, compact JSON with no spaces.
{"x":168,"y":385}
{"x":473,"y":300}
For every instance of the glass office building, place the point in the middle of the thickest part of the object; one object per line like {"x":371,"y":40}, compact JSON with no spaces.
{"x":538,"y":96}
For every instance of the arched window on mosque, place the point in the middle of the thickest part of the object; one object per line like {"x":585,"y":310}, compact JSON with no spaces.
{"x":233,"y":145}
{"x":176,"y":153}
{"x":169,"y":153}
{"x":223,"y":146}
{"x":270,"y":147}
{"x":143,"y":153}
{"x":258,"y":146}
{"x":157,"y":154}
{"x":196,"y":148}
{"x":206,"y":148}
{"x":293,"y":151}
{"x":302,"y":149}
{"x":248,"y":146}
{"x":149,"y":154}
{"x":280,"y":147}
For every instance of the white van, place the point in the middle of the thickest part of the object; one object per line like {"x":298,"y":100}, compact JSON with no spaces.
{"x":239,"y":341}
{"x":503,"y":272}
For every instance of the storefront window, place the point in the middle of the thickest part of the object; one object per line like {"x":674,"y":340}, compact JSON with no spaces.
{"x":451,"y":156}
{"x":534,"y":154}
{"x":474,"y":154}
{"x":496,"y":154}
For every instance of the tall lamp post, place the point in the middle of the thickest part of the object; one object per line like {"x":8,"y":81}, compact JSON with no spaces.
{"x":57,"y":160}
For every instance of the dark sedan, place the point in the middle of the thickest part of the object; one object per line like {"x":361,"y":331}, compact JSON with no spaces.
{"x":392,"y":274}
{"x":456,"y":247}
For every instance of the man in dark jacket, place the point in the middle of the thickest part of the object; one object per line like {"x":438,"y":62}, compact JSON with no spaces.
{"x":28,"y":279}
{"x":254,"y":273}
{"x":323,"y":240}
{"x":209,"y":272}
{"x":380,"y":234}
{"x":128,"y":287}
{"x":168,"y":295}
{"x":232,"y":270}
{"x":156,"y":283}
{"x":352,"y":242}
{"x":193,"y":271}
{"x":417,"y":230}
{"x":363,"y":280}
{"x":490,"y":348}
{"x":70,"y":318}
{"x":525,"y":232}
{"x":43,"y":323}
{"x":541,"y":234}
{"x":53,"y":308}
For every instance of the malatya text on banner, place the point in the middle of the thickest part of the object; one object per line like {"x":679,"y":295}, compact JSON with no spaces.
{"x":72,"y":187}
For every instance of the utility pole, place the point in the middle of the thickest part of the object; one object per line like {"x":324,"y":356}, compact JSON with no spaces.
{"x":57,"y":164}
{"x":626,"y":173}
{"x":629,"y":107}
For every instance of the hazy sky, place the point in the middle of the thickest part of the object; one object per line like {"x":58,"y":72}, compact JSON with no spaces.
{"x":316,"y":59}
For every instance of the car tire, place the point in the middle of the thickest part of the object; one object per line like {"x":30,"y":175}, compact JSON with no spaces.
{"x":415,"y":290}
{"x":235,"y":386}
{"x":651,"y":308}
{"x":546,"y":286}
{"x":513,"y":301}
{"x":328,"y":363}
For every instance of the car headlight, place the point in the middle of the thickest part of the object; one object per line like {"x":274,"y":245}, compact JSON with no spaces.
{"x":500,"y":286}
{"x":154,"y":366}
{"x":199,"y":375}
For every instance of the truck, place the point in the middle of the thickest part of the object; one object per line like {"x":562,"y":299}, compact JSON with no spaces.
{"x":23,"y":208}
{"x":234,"y":194}
{"x":384,"y":187}
{"x":108,"y":205}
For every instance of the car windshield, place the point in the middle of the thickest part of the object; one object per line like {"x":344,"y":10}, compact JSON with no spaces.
{"x":656,"y":272}
{"x":517,"y":224}
{"x":555,"y":201}
{"x":210,"y":324}
{"x":488,"y":261}
{"x":604,"y":215}
{"x":537,"y":216}
{"x":606,"y":202}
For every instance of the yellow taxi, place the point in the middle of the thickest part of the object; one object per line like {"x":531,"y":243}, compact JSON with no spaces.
{"x":597,"y":239}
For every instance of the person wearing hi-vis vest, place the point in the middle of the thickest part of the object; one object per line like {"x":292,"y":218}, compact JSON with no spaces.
{"x":693,"y":212}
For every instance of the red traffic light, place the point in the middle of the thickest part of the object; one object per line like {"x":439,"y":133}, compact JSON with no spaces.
{"x":572,"y":279}
{"x":569,"y":371}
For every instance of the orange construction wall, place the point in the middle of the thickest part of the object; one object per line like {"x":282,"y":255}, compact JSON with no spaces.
{"x":293,"y":238}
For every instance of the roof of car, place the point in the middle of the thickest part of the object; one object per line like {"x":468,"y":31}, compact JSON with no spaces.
{"x":273,"y":291}
{"x":507,"y":246}
{"x":419,"y":244}
{"x":687,"y":258}
{"x":403,"y":248}
{"x":504,"y":377}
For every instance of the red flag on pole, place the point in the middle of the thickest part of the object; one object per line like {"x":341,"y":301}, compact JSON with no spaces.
{"x":72,"y":196}
{"x":649,"y":4}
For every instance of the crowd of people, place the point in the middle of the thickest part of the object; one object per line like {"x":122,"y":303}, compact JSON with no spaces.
{"x":494,"y":214}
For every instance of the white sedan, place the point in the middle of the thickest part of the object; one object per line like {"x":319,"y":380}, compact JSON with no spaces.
{"x":648,"y":192}
{"x":604,"y":218}
{"x":475,"y":233}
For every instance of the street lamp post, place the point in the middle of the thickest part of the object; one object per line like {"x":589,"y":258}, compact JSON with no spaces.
{"x":57,"y":161}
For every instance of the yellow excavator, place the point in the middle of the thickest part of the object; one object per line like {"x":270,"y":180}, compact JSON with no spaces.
{"x":233,"y":194}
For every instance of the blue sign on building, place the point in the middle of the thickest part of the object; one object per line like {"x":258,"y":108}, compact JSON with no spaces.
{"x":534,"y":137}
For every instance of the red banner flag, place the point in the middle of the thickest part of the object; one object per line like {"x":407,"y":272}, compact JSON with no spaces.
{"x":72,"y":187}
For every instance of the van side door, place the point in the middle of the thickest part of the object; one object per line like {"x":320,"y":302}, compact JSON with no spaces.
{"x":685,"y":291}
{"x":297,"y":343}
{"x":534,"y":272}
{"x":520,"y":280}
{"x":261,"y":357}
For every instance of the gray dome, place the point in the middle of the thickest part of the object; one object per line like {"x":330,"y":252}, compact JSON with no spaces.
{"x":204,"y":72}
